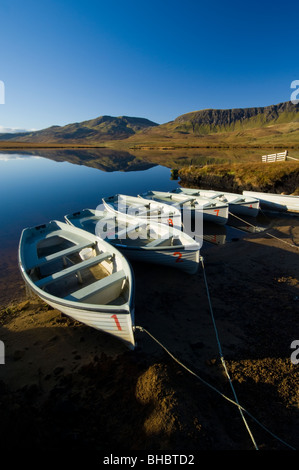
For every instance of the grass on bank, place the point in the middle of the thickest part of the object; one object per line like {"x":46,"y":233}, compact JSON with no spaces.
{"x":275,"y":177}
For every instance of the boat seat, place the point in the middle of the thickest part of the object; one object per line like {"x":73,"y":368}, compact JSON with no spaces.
{"x":159,"y":241}
{"x":97,"y":286}
{"x":184,"y":201}
{"x":60,"y":254}
{"x":208,"y":204}
{"x":160,"y":199}
{"x":237,"y":200}
{"x":73,"y":269}
{"x":126,"y":230}
{"x":74,"y":238}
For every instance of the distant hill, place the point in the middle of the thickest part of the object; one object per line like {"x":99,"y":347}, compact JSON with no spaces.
{"x":274,"y":125}
{"x":95,"y":130}
{"x":271,"y":127}
{"x":209,"y":121}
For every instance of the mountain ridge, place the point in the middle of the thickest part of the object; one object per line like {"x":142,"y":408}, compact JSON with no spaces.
{"x":206,"y":122}
{"x":97,"y":129}
{"x":223,"y":120}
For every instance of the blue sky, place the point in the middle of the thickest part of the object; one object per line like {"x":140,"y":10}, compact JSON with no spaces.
{"x":69,"y":61}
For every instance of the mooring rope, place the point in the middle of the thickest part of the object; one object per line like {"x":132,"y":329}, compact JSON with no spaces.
{"x":142,"y":329}
{"x":234,"y":402}
{"x":222,"y":357}
{"x":261,"y":230}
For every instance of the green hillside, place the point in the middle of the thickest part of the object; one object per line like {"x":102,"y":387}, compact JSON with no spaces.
{"x":209,"y":121}
{"x":275,"y":126}
{"x":92,"y":131}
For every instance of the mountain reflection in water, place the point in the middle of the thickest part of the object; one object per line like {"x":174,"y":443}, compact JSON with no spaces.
{"x":102,"y":159}
{"x":37,"y":186}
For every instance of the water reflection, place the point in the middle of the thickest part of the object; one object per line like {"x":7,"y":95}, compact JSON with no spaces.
{"x":235,"y":228}
{"x":36,"y":190}
{"x":6,"y":157}
{"x":214,"y":233}
{"x":135,"y":159}
{"x":249,"y":224}
{"x":41,"y":185}
{"x":106,"y":160}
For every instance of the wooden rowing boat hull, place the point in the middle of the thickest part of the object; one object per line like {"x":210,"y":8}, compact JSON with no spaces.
{"x":238,"y":204}
{"x":115,"y":315}
{"x":183,"y":256}
{"x":277,"y":202}
{"x":136,"y":206}
{"x":211,"y":211}
{"x":177,"y":257}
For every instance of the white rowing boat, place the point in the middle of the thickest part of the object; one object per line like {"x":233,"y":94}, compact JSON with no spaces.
{"x":276,"y":202}
{"x":80,"y":275}
{"x":143,"y":208}
{"x":238,"y":203}
{"x":212,"y":211}
{"x":141,"y":240}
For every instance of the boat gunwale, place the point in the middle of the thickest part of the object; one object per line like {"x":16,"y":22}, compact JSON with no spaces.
{"x":194,"y":246}
{"x":218,"y":204}
{"x":102,"y":308}
{"x":124,"y":308}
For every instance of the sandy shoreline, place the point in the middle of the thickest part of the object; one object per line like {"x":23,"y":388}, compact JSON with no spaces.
{"x":64,"y":384}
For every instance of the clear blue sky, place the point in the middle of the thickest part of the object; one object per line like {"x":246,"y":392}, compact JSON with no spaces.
{"x":69,"y":61}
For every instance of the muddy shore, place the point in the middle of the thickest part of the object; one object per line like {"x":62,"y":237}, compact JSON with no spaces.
{"x":67,"y":386}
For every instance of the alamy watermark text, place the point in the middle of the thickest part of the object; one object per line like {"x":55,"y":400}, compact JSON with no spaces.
{"x":2,"y":353}
{"x":295,"y":93}
{"x":295,"y":353}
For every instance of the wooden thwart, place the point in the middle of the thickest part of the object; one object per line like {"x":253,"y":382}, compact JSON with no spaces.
{"x":97,"y":286}
{"x":73,"y":269}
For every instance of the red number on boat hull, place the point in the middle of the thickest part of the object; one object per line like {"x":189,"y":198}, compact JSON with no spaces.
{"x":179,"y":256}
{"x":116,"y":321}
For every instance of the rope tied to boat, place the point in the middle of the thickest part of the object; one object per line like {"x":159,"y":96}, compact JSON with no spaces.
{"x":222,"y":357}
{"x":235,"y":401}
{"x":144,"y":330}
{"x":257,"y":229}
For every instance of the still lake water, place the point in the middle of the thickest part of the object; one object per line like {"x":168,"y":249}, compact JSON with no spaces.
{"x":35,"y":190}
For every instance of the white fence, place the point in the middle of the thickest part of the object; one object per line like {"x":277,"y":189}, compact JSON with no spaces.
{"x":275,"y":157}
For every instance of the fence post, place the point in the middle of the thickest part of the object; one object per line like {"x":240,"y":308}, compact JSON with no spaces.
{"x":275,"y":157}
